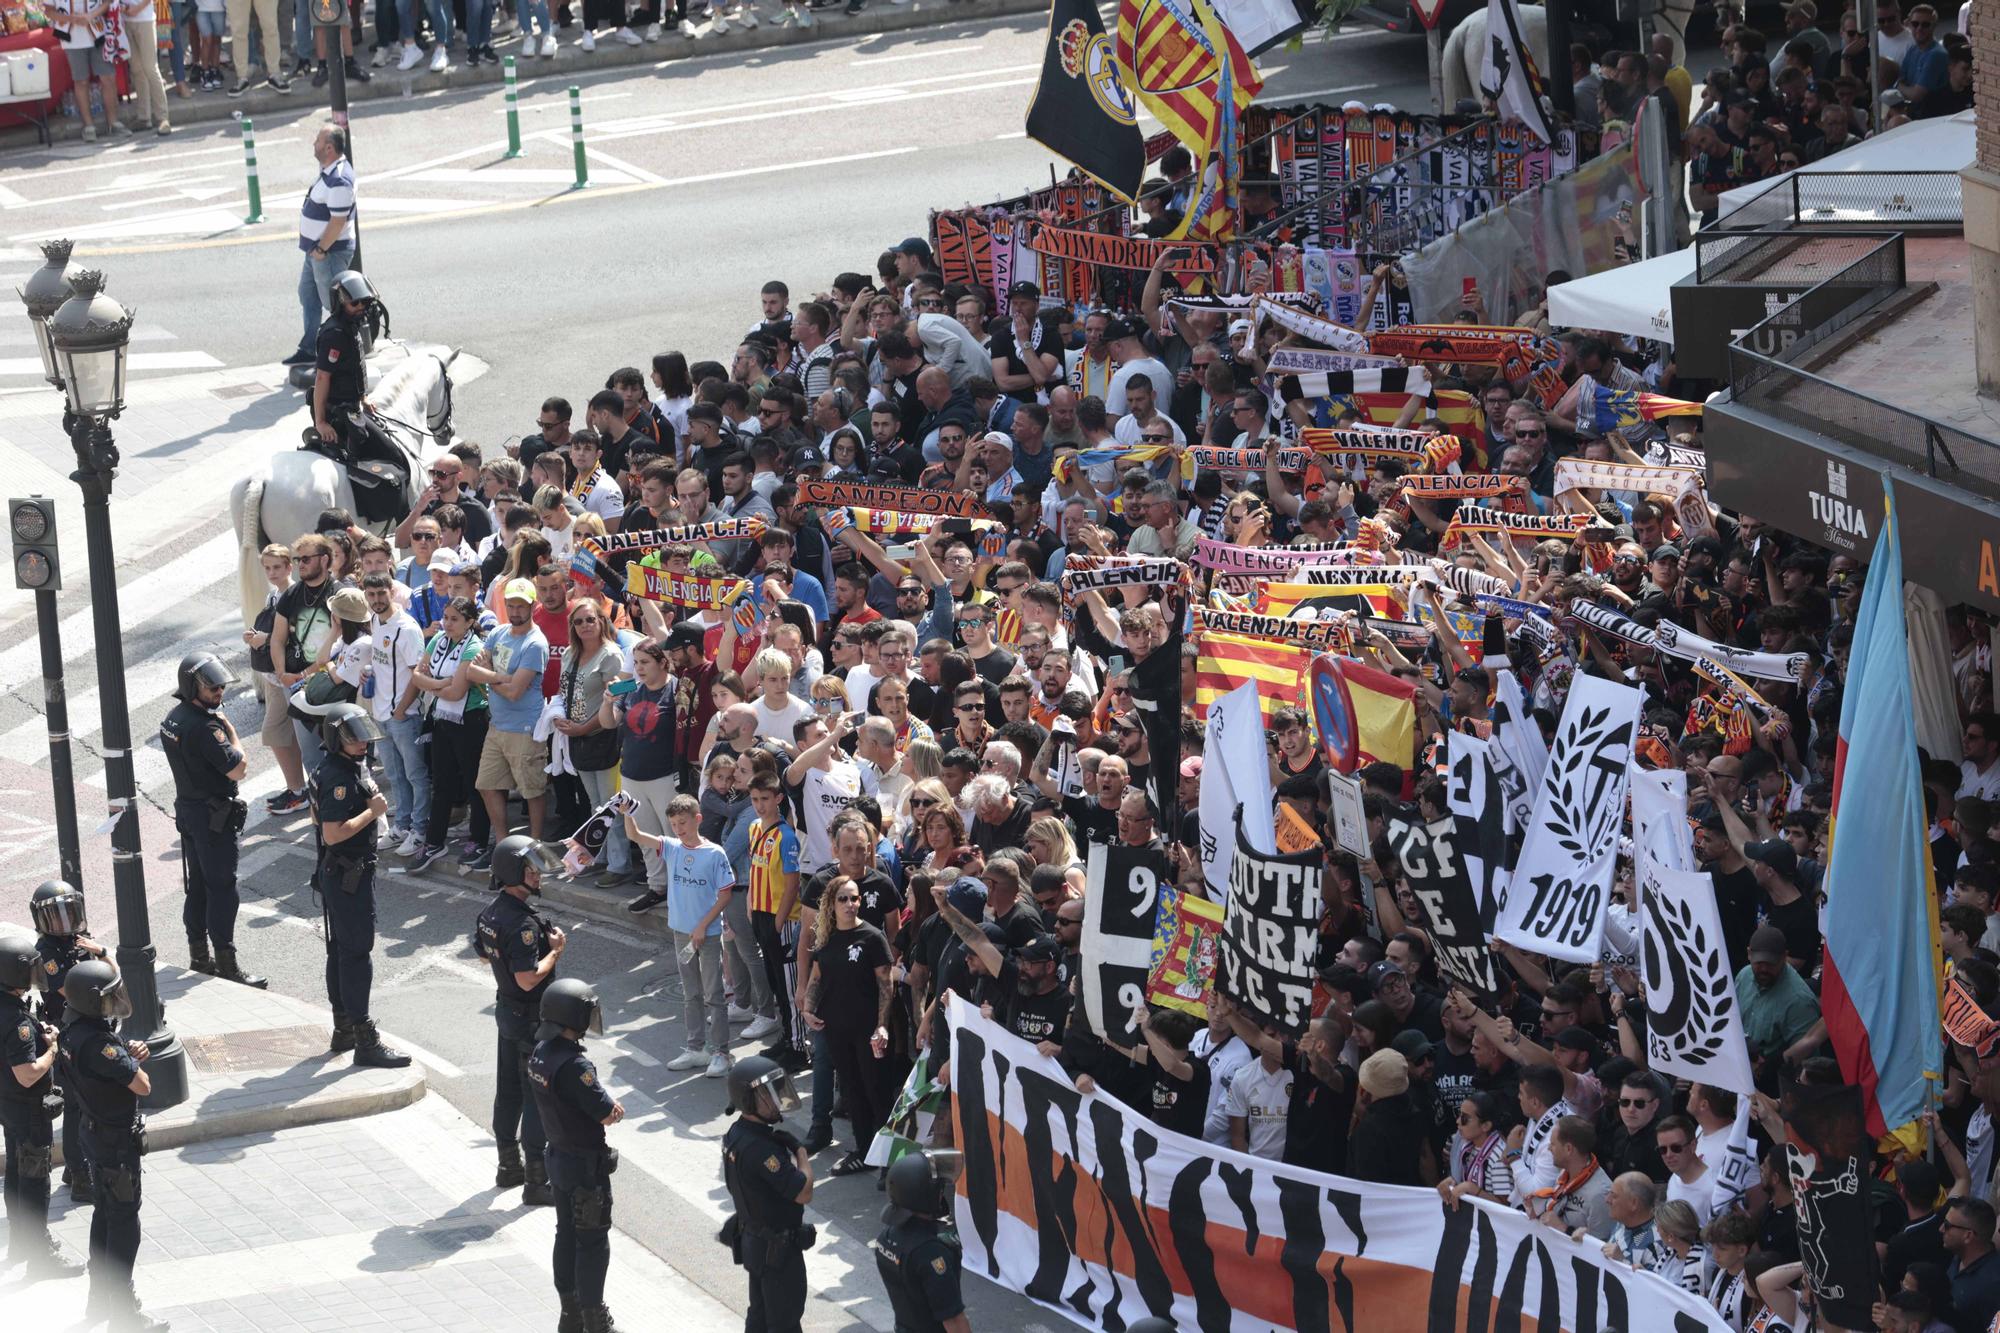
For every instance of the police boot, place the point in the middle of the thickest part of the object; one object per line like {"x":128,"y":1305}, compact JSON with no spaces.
{"x":127,"y":1317}
{"x":510,"y":1173}
{"x":53,"y":1259}
{"x":198,"y":958}
{"x":82,"y":1189}
{"x":369,"y":1050}
{"x":597,"y":1319}
{"x":226,"y":967}
{"x":572,"y":1314}
{"x":343,"y":1035}
{"x":536,"y":1193}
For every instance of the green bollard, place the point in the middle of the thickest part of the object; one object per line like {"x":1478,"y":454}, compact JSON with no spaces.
{"x":576,"y":137}
{"x":250,"y":166}
{"x":513,"y":108}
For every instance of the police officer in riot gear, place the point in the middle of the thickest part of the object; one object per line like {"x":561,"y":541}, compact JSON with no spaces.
{"x":347,"y":806}
{"x":57,"y":909}
{"x":770,"y":1182}
{"x":27,"y":1095}
{"x":207,"y":760}
{"x":918,"y":1252}
{"x":109,"y":1081}
{"x":341,"y":360}
{"x":575,"y":1110}
{"x":523,"y":951}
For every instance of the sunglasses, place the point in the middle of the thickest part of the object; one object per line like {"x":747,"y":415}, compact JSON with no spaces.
{"x":1156,"y":439}
{"x":828,"y":703}
{"x":921,"y":803}
{"x":444,"y":473}
{"x":1636,"y":1103}
{"x":969,"y":708}
{"x":1671,"y":1147}
{"x":1626,"y":560}
{"x":974,"y":623}
{"x":1529,"y":434}
{"x":907,"y":592}
{"x":848,"y":898}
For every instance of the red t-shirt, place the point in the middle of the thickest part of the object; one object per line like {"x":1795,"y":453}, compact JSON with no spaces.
{"x":554,"y":626}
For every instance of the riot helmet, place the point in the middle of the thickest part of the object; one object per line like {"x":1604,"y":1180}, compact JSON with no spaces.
{"x":1152,"y":1323}
{"x":516,"y":855}
{"x":921,"y":1183}
{"x":199,"y":669}
{"x":570,"y":1003}
{"x":762,"y":1089}
{"x":353,"y":285}
{"x":94,"y":989}
{"x":56,"y":908}
{"x":344,"y":723}
{"x":21,"y":964}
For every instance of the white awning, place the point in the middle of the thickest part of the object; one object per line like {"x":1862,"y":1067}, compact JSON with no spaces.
{"x":1632,"y":299}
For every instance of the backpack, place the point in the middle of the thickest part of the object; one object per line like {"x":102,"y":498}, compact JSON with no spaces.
{"x":260,"y":658}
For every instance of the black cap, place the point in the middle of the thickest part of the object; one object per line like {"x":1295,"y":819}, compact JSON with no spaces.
{"x":1027,"y":289}
{"x":809,"y":456}
{"x":1708,"y":546}
{"x":1666,"y":551}
{"x":1412,"y":1044}
{"x":1381,"y":971}
{"x":687,"y":634}
{"x":1775,"y":853}
{"x":915,"y":245}
{"x":1041,"y":949}
{"x":1123,"y":328}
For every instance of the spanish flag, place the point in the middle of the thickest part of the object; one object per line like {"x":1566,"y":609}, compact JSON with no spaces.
{"x":1180,"y":61}
{"x":1313,"y":600}
{"x":1225,"y":661}
{"x":1385,"y":713}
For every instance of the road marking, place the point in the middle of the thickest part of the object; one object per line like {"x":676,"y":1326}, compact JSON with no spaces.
{"x":815,"y":107}
{"x":499,"y":176}
{"x":912,"y":55}
{"x":381,"y":204}
{"x":32,"y":365}
{"x":9,"y":199}
{"x":112,"y":158}
{"x":623,"y":172}
{"x":560,"y":104}
{"x":209,"y":219}
{"x":1012,"y":134}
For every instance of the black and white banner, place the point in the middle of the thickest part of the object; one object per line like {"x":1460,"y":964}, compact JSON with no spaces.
{"x":1313,"y":361}
{"x":1270,"y":934}
{"x":1124,"y":891}
{"x":1341,"y":383}
{"x":1694,"y":1027}
{"x":1143,"y":572}
{"x":1235,"y":775}
{"x":1518,"y":754}
{"x":1429,"y":856}
{"x":1660,"y":817}
{"x":1323,"y":331}
{"x":1085,"y":1206}
{"x":1475,"y":799}
{"x":1688,"y":646}
{"x":1562,"y":880}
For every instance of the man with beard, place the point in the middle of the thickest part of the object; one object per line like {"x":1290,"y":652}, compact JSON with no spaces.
{"x":1152,"y":638}
{"x":1035,"y":1005}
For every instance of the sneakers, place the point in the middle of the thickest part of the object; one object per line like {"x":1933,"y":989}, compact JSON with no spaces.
{"x":818,"y":1139}
{"x":163,"y":128}
{"x":319,"y":75}
{"x":691,"y":1058}
{"x":472,"y":57}
{"x":611,"y":879}
{"x":806,"y":20}
{"x":240,"y":87}
{"x":851,"y":1165}
{"x":853,"y":7}
{"x":685,"y":28}
{"x":355,"y":70}
{"x":645,"y":902}
{"x":720,"y":26}
{"x":717,"y":1067}
{"x":411,"y":844}
{"x":413,"y":56}
{"x":277,"y":83}
{"x":481,"y":862}
{"x":89,"y":132}
{"x":440,"y":58}
{"x":588,"y":41}
{"x":747,"y":16}
{"x":764,"y":1026}
{"x":378,"y":57}
{"x":548,"y":46}
{"x":788,"y":18}
{"x":741,"y":1015}
{"x":630,"y":38}
{"x":652,"y":33}
{"x":426,"y":858}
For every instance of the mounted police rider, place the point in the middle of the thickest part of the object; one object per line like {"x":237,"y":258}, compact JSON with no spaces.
{"x":918,"y":1253}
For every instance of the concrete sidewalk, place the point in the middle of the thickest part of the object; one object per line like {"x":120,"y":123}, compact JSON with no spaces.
{"x":359,"y":1226}
{"x":571,"y":65}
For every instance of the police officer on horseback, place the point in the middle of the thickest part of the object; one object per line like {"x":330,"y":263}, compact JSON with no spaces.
{"x":770,"y":1182}
{"x":918,"y":1253}
{"x":522,"y":950}
{"x":207,"y":761}
{"x":575,"y":1112}
{"x":340,"y":364}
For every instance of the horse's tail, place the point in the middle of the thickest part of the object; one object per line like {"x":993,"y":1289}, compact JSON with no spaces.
{"x":250,"y":547}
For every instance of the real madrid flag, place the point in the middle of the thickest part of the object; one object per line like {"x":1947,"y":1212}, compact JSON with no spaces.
{"x":1082,"y":111}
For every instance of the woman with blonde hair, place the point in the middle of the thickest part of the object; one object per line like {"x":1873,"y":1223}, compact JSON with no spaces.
{"x":1048,"y":841}
{"x":845,"y":998}
{"x":924,"y":759}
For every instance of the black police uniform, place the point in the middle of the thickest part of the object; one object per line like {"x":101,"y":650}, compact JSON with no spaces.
{"x":573,"y":1104}
{"x":342,"y":356}
{"x":918,"y":1259}
{"x":512,"y":938}
{"x":24,"y":1126}
{"x":100,"y":1069}
{"x":340,"y":789}
{"x":209,"y":815}
{"x":765,"y":1182}
{"x":59,"y":954}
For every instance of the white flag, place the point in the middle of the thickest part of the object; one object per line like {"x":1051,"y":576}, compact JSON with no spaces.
{"x":1694,"y":1024}
{"x":1556,"y":901}
{"x":1235,"y":771}
{"x":1738,"y":1175}
{"x":1660,"y":817}
{"x":1507,"y":74}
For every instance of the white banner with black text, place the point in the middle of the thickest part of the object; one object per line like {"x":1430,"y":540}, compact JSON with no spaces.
{"x":1123,"y":894}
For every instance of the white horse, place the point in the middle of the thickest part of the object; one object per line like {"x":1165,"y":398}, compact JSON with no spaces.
{"x":408,"y":384}
{"x":1465,"y":48}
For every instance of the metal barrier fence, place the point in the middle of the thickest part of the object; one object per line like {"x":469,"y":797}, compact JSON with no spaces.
{"x":1780,"y":385}
{"x":1911,"y":200}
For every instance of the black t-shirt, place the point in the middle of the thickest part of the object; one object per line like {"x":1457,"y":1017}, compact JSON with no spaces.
{"x":1009,"y":832}
{"x":1175,"y":1104}
{"x":338,"y":355}
{"x":1736,"y":899}
{"x":1022,"y":922}
{"x":846,"y":966}
{"x":1455,"y":1076}
{"x":1031,"y":1017}
{"x":1048,"y":341}
{"x":995,"y":666}
{"x":1316,"y":770}
{"x":1799,"y":919}
{"x":1093,"y":822}
{"x":307,"y":621}
{"x":1317,"y":1119}
{"x":878,"y":895}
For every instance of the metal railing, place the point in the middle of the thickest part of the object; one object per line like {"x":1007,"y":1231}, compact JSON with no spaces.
{"x":1778,"y":383}
{"x":1400,"y":174}
{"x":1910,"y":200}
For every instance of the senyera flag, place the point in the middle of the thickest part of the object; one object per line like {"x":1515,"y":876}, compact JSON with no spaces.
{"x":1172,"y":54}
{"x":1879,"y":990}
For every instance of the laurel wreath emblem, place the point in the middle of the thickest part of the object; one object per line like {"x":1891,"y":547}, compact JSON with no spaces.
{"x":1698,"y":992}
{"x":1578,"y":828}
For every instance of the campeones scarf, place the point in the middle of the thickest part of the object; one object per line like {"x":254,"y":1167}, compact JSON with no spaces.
{"x":1688,"y":646}
{"x":1680,"y":485}
{"x":902,"y":499}
{"x":690,"y":590}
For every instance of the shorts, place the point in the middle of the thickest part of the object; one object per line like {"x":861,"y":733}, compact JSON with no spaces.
{"x":276,"y":731}
{"x":210,"y":22}
{"x":88,"y":62}
{"x":513,"y":761}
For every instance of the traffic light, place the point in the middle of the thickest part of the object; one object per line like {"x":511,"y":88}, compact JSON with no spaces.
{"x":33,"y":523}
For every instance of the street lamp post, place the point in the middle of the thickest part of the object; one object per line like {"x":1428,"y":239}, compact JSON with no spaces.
{"x":86,"y":341}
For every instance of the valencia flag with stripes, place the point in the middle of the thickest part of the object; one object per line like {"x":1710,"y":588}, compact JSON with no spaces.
{"x":1225,"y":661}
{"x":1171,"y":54}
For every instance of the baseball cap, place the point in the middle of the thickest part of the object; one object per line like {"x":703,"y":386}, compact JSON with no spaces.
{"x":1024,"y":289}
{"x":1041,"y":949}
{"x":1191,"y":766}
{"x":443,"y":559}
{"x":1775,"y":853}
{"x":1381,"y":971}
{"x":1413,"y":1044}
{"x":519,"y":590}
{"x":968,"y":898}
{"x":809,"y":456}
{"x":1767,"y":945}
{"x":1123,"y":328}
{"x":915,"y":245}
{"x":686,"y":634}
{"x":1666,"y":551}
